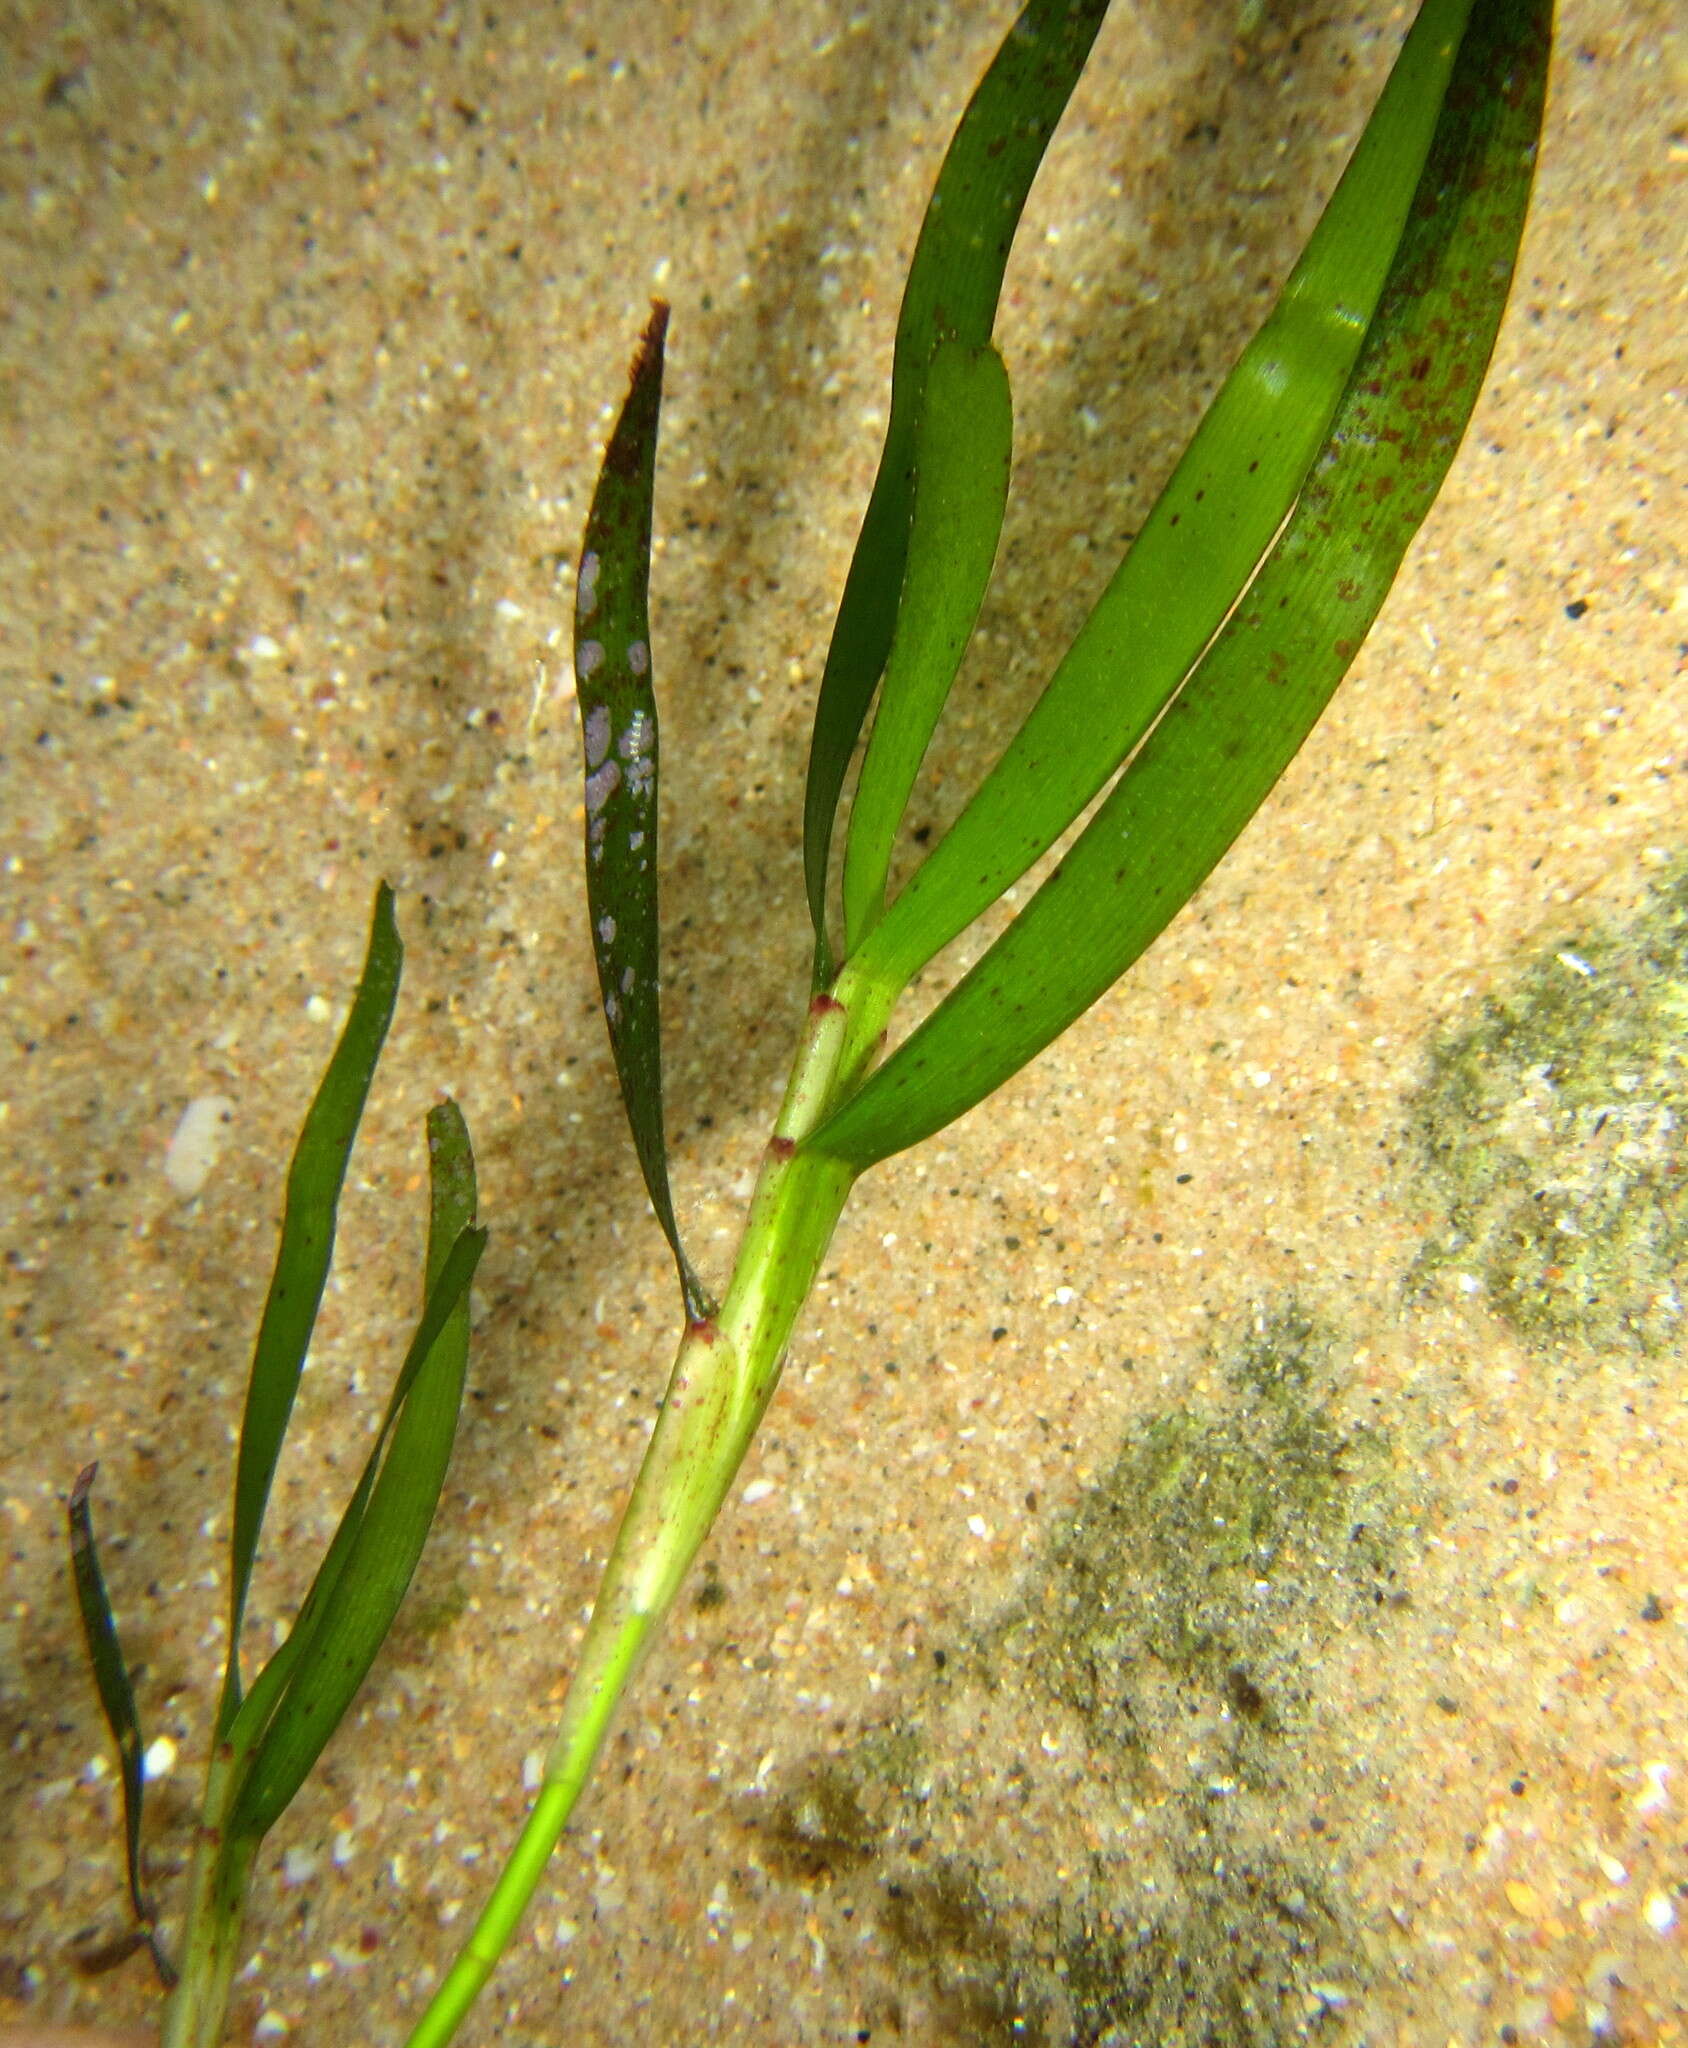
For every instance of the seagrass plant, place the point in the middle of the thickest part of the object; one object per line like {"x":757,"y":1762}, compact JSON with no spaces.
{"x":1202,"y":668}
{"x":267,"y":1737}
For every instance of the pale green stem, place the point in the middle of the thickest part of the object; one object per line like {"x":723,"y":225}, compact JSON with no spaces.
{"x":723,"y":1379}
{"x":222,"y":1877}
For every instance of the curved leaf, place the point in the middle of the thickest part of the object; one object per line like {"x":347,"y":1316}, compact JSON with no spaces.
{"x":303,"y":1693}
{"x":963,"y":447}
{"x":1256,"y":694}
{"x":314,"y":1181}
{"x":612,"y":666}
{"x":1202,"y":541}
{"x":953,"y":284}
{"x":117,"y":1701}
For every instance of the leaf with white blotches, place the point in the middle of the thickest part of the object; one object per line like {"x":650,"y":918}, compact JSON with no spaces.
{"x":612,"y":666}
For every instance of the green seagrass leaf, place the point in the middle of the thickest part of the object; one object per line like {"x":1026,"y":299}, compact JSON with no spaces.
{"x":953,"y":285}
{"x":612,"y":666}
{"x":117,"y":1700}
{"x":302,"y":1695}
{"x":1251,"y":701}
{"x":963,"y":446}
{"x":1205,"y":535}
{"x":308,"y":1220}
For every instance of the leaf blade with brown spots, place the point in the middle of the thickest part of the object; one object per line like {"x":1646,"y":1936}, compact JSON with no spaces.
{"x":1255,"y":695}
{"x":1204,"y":537}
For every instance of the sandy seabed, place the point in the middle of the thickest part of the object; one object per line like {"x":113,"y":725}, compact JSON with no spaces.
{"x":1210,"y":1574}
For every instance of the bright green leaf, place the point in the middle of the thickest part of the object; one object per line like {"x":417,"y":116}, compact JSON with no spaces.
{"x":1254,"y":697}
{"x":963,"y":446}
{"x":953,"y":285}
{"x":1204,"y":537}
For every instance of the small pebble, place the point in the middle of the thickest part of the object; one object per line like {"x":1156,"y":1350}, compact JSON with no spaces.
{"x":197,"y":1143}
{"x":37,"y":1864}
{"x":159,"y":1761}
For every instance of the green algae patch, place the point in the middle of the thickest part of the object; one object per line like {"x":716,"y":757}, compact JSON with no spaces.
{"x":1553,"y":1128}
{"x":1247,"y":1953}
{"x":820,"y":1823}
{"x":832,"y":1812}
{"x":1181,"y":1613}
{"x":1211,"y":1524}
{"x":1241,"y":1948}
{"x":985,"y":1985}
{"x":434,"y":1615}
{"x":1173,"y":1886}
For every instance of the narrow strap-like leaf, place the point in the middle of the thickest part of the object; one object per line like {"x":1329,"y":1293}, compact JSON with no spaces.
{"x":612,"y":666}
{"x":303,"y":1694}
{"x":452,"y":1197}
{"x":1204,"y":537}
{"x":117,"y":1699}
{"x":953,"y":285}
{"x":963,"y":447}
{"x":302,"y":1258}
{"x":1254,"y":697}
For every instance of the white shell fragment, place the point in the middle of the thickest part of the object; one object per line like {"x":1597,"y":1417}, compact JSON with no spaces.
{"x":197,"y":1143}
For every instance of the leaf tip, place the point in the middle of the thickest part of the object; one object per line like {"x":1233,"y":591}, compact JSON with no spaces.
{"x":652,"y":341}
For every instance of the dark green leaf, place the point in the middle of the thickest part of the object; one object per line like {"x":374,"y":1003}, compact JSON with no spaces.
{"x":301,"y":1268}
{"x":301,"y":1696}
{"x":953,"y":285}
{"x":963,"y":447}
{"x":452,"y":1194}
{"x":1254,"y":697}
{"x":1205,"y":535}
{"x":612,"y":666}
{"x":117,"y":1699}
